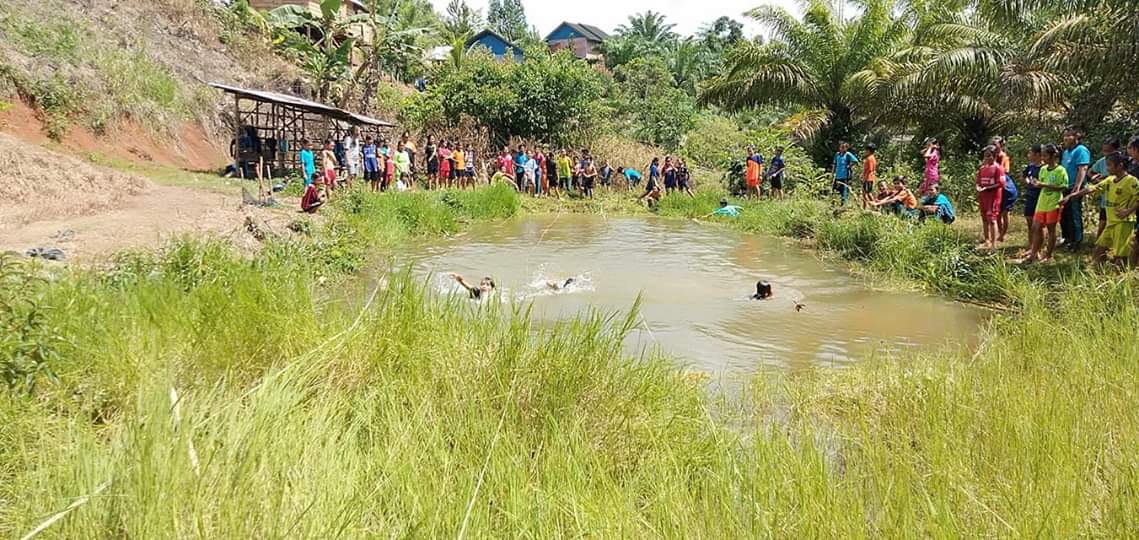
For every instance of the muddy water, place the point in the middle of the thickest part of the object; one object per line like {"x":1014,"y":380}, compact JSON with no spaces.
{"x":695,"y":283}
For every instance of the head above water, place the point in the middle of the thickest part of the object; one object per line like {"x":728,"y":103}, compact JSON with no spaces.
{"x":487,"y":284}
{"x":762,"y":290}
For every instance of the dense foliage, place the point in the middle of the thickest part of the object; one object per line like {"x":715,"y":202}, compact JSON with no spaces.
{"x":548,"y":97}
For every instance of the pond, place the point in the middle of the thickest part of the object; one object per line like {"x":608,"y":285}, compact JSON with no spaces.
{"x":695,"y":283}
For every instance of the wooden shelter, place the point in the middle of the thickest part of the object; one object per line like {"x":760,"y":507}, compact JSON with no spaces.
{"x":270,"y":126}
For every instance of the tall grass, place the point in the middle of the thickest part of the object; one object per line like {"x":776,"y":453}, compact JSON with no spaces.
{"x":406,"y":414}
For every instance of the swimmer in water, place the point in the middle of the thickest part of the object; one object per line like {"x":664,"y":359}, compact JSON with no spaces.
{"x":762,"y":291}
{"x":485,"y":287}
{"x":555,"y":286}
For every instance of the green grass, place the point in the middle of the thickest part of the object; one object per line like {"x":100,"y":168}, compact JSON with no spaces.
{"x":312,"y":409}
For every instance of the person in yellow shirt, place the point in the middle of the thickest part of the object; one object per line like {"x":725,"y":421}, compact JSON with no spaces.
{"x":1122,"y":200}
{"x":460,"y":165}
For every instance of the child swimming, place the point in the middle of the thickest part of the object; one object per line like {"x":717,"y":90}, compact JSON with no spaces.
{"x":485,"y":286}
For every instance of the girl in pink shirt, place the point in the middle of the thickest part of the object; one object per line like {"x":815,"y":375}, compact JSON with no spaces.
{"x":932,"y":155}
{"x":990,"y":187}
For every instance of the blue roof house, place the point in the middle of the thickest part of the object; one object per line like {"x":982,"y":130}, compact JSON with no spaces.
{"x":499,"y":46}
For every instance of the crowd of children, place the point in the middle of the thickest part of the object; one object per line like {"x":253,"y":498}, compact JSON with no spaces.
{"x":1053,"y":184}
{"x":453,"y":164}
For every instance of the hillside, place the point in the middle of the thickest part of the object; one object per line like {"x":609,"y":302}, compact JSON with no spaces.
{"x":101,"y":74}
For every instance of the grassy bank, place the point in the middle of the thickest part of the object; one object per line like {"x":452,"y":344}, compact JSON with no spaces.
{"x":404,"y":414}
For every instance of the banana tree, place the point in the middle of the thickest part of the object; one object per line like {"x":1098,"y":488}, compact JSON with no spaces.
{"x":325,"y":56}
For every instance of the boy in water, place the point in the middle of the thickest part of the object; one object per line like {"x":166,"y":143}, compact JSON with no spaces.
{"x":869,"y":175}
{"x":725,"y":210}
{"x":1122,"y":202}
{"x":762,"y":291}
{"x":556,"y":286}
{"x":484,"y":288}
{"x":1053,"y":183}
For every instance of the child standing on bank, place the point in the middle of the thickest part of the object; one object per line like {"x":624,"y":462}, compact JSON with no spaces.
{"x":329,"y":163}
{"x":869,"y":175}
{"x":308,"y":161}
{"x":776,"y":174}
{"x":1052,"y":184}
{"x":1122,"y":192}
{"x":844,"y":161}
{"x":1031,"y":175}
{"x":371,"y":163}
{"x":990,"y":184}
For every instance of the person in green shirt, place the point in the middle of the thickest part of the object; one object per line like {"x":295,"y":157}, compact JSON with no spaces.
{"x":402,"y":168}
{"x":1053,"y":182}
{"x":1122,"y":192}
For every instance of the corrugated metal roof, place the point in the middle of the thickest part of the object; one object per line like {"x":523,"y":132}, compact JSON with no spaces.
{"x":303,"y":104}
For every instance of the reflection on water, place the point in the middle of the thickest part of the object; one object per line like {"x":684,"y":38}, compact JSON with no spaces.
{"x":695,"y":282}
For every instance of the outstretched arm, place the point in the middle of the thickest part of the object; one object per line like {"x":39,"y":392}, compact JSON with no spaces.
{"x":461,"y":281}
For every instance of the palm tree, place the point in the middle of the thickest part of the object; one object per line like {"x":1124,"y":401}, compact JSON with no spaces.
{"x":809,"y":64}
{"x":1097,"y":48}
{"x":648,"y":27}
{"x":688,"y":61}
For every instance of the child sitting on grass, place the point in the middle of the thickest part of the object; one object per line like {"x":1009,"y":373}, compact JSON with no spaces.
{"x":902,"y":201}
{"x":1122,"y":192}
{"x":938,"y":205}
{"x":1052,"y":183}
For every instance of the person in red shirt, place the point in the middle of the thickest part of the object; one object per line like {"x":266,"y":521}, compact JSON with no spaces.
{"x":990,"y":188}
{"x":444,"y":164}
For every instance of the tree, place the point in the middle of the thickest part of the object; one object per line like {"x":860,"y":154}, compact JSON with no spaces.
{"x":957,"y":77}
{"x":809,"y":64}
{"x":651,"y":109}
{"x":721,"y":34}
{"x":460,"y":21}
{"x":648,"y":27}
{"x":508,"y":17}
{"x":547,"y":97}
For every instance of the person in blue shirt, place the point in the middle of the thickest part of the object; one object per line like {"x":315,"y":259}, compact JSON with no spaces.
{"x":654,"y":171}
{"x":371,"y":163}
{"x":632,"y":176}
{"x":775,"y":174}
{"x":844,"y":161}
{"x":1098,"y":174}
{"x":520,"y":160}
{"x":308,"y":161}
{"x":725,"y":210}
{"x":936,"y":204}
{"x":1076,"y":160}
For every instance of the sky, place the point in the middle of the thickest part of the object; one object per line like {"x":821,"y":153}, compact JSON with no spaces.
{"x":687,"y":15}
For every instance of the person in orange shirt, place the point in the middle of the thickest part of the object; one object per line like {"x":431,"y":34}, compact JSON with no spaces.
{"x":754,"y":173}
{"x":460,"y":159}
{"x":869,"y":175}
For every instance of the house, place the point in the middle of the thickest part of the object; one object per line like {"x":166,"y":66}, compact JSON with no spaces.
{"x":498,"y":45}
{"x":582,"y":39}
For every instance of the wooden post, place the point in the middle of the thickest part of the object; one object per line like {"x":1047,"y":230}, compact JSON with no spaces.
{"x":237,"y":134}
